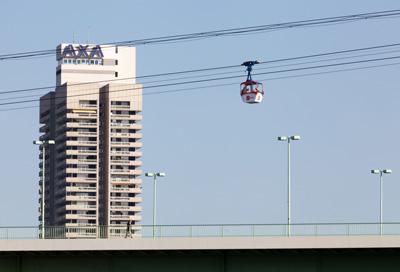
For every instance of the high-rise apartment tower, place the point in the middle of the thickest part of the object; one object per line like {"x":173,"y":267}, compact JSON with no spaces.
{"x":92,"y":171}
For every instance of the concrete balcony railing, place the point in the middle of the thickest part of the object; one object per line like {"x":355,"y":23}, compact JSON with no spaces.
{"x":120,"y":106}
{"x":80,"y":216}
{"x":127,"y":153}
{"x":125,"y":217}
{"x":81,"y":161}
{"x":126,"y":162}
{"x":136,"y":154}
{"x":81,"y":124}
{"x":123,"y":181}
{"x":125,"y":134}
{"x":126,"y":125}
{"x":80,"y":207}
{"x":86,"y":151}
{"x":81,"y":134}
{"x":80,"y":152}
{"x":80,"y":189}
{"x":81,"y":143}
{"x":84,"y":143}
{"x":81,"y":180}
{"x":126,"y":171}
{"x":125,"y":190}
{"x":80,"y":198}
{"x":82,"y":115}
{"x":126,"y":208}
{"x":80,"y":170}
{"x":135,"y":117}
{"x":125,"y":199}
{"x":127,"y":144}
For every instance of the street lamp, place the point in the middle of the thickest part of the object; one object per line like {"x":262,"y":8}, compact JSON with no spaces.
{"x":380,"y":172}
{"x":288,"y":139}
{"x":154,"y":176}
{"x":42,"y":145}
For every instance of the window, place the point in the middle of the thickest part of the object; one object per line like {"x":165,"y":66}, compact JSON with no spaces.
{"x":116,"y":74}
{"x":116,"y":50}
{"x":116,"y":62}
{"x":96,"y":62}
{"x":78,"y":61}
{"x":91,"y":61}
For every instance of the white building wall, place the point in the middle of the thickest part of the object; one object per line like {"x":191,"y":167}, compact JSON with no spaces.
{"x":117,"y":65}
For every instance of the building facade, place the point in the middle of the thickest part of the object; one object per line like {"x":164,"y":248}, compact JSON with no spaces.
{"x":93,"y":183}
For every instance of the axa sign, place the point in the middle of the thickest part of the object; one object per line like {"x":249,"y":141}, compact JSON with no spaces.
{"x":81,"y":52}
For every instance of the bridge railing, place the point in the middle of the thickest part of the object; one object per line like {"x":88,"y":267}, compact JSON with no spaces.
{"x":222,"y":230}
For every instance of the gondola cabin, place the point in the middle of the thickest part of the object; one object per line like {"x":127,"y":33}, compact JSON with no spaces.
{"x":251,"y":91}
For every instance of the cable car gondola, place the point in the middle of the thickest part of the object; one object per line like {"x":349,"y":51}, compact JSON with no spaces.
{"x":251,"y":91}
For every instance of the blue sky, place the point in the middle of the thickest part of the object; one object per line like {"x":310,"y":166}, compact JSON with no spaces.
{"x":221,"y":156}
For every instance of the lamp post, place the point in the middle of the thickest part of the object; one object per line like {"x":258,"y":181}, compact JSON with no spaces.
{"x":42,"y":145}
{"x":380,"y":172}
{"x":288,"y":139}
{"x":154,"y":176}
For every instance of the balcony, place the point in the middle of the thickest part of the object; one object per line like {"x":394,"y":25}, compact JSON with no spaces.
{"x":126,"y":208}
{"x":80,"y":198}
{"x":126,"y":162}
{"x":81,"y":143}
{"x":80,"y":170}
{"x":45,"y":118}
{"x":125,"y":125}
{"x":127,"y":153}
{"x":127,"y":144}
{"x":80,"y":189}
{"x":80,"y":134}
{"x":126,"y":135}
{"x":121,"y":153}
{"x":82,"y":115}
{"x":80,"y":152}
{"x":135,"y":117}
{"x":44,"y":128}
{"x":125,"y":217}
{"x":86,"y":151}
{"x":81,"y":161}
{"x":61,"y":128}
{"x":81,"y":207}
{"x":123,"y":181}
{"x":60,"y":138}
{"x":136,"y":154}
{"x":81,"y":179}
{"x":80,"y":124}
{"x":125,"y":199}
{"x":120,"y":106}
{"x":126,"y":171}
{"x":125,"y":190}
{"x":80,"y":216}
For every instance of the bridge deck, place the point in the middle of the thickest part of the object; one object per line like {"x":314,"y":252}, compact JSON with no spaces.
{"x":205,"y":243}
